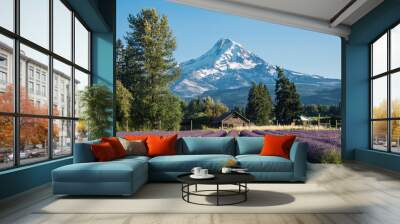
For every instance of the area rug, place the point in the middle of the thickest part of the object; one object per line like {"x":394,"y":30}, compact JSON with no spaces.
{"x":166,"y":198}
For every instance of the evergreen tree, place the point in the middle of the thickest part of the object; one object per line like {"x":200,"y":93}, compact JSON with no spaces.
{"x":259,"y":104}
{"x":240,"y":110}
{"x":150,"y":69}
{"x":193,"y":109}
{"x":287,"y":101}
{"x":120,"y":60}
{"x":96,"y":102}
{"x":123,"y":106}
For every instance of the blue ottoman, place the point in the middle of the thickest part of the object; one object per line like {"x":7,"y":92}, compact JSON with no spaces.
{"x":118,"y":177}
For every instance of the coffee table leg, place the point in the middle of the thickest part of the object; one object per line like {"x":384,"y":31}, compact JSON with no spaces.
{"x":188,"y":189}
{"x":217,"y":194}
{"x":195,"y":188}
{"x":245,"y":193}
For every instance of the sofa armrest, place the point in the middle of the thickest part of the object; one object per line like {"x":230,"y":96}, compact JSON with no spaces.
{"x":298,"y":155}
{"x":83,"y":152}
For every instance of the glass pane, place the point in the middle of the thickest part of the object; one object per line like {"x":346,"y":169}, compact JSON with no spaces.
{"x":33,"y":139}
{"x":81,"y":45}
{"x":34,"y":97}
{"x":81,"y":131}
{"x":7,"y":14}
{"x":379,"y":97}
{"x":35,"y":21}
{"x":6,"y":74}
{"x":395,"y":136}
{"x":395,"y":47}
{"x":62,"y":138}
{"x":379,"y":135}
{"x":62,"y":89}
{"x":81,"y":82}
{"x":6,"y":142}
{"x":62,"y":29}
{"x":395,"y":94}
{"x":379,"y":55}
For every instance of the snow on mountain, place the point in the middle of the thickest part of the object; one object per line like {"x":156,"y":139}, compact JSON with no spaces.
{"x":228,"y":65}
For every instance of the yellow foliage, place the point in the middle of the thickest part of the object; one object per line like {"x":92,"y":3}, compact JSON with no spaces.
{"x":380,"y":127}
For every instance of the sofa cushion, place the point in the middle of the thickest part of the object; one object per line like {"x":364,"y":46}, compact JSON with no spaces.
{"x":208,"y":145}
{"x":133,"y":158}
{"x":249,"y":145}
{"x":257,"y":163}
{"x":112,"y":171}
{"x":185,"y":163}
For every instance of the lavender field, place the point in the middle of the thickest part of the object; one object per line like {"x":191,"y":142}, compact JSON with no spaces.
{"x":323,"y":144}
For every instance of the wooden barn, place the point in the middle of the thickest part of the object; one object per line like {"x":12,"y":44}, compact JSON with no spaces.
{"x":231,"y":120}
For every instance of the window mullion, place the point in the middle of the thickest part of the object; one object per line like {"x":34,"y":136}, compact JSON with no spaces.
{"x":371,"y":140}
{"x":50,"y":81}
{"x":389,"y":104}
{"x":73,"y":82}
{"x":16,"y":69}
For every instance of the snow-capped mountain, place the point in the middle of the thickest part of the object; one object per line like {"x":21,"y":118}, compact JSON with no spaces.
{"x":228,"y":66}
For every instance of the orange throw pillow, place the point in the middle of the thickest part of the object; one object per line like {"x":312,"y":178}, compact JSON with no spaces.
{"x":116,"y":145}
{"x":277,"y":145}
{"x":161,"y":145}
{"x":136,"y":137}
{"x":103,"y":152}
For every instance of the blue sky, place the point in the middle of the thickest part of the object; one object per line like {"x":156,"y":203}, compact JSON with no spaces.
{"x":197,"y":30}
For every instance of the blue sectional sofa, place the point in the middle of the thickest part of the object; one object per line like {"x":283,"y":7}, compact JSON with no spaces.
{"x":125,"y":176}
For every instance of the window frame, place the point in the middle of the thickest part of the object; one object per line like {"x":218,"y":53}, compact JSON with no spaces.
{"x":388,"y":74}
{"x":16,"y":114}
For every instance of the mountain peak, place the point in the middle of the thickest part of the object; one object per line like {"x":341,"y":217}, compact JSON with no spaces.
{"x":225,"y":54}
{"x":226,"y":43}
{"x":227,"y":65}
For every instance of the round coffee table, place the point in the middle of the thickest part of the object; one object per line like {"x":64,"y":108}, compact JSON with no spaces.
{"x":238,"y":179}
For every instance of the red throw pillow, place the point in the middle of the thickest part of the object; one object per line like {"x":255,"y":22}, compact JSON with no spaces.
{"x":161,"y":145}
{"x":116,"y":145}
{"x":277,"y":145}
{"x":103,"y":152}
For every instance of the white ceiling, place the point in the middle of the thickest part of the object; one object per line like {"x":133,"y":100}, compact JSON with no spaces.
{"x":321,"y":9}
{"x":327,"y":16}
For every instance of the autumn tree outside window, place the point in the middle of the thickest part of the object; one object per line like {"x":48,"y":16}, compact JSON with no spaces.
{"x":41,"y":81}
{"x":385,"y":91}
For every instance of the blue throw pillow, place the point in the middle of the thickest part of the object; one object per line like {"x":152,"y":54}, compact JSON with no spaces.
{"x":249,"y":145}
{"x":208,"y":145}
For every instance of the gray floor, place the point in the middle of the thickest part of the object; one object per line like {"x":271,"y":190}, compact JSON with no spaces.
{"x":379,"y":189}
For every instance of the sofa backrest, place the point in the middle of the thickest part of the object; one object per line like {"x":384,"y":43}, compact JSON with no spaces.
{"x":207,"y":145}
{"x":190,"y":146}
{"x":83,"y":152}
{"x":249,"y":145}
